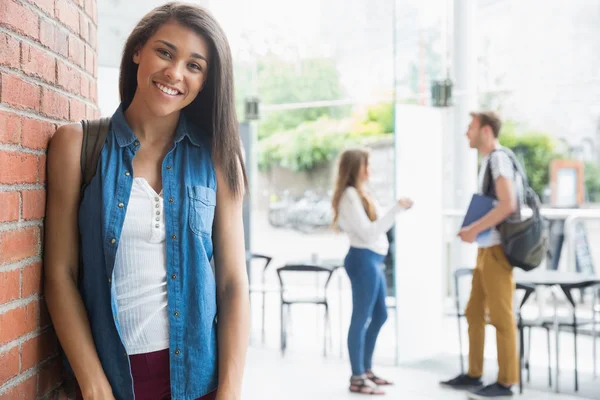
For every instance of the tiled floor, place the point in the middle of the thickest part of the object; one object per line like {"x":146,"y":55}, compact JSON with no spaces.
{"x":301,"y":376}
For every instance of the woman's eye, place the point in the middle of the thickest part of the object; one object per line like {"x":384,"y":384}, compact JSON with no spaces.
{"x":164,"y":53}
{"x":195,"y":66}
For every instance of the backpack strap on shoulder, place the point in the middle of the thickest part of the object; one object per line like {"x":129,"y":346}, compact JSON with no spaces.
{"x":94,"y":137}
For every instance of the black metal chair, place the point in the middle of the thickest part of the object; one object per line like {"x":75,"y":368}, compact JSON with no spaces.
{"x":319,"y":299}
{"x":522,"y":324}
{"x":262,"y":288}
{"x":573,"y":324}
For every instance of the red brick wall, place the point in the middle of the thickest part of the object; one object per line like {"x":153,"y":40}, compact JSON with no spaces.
{"x":48,"y":75}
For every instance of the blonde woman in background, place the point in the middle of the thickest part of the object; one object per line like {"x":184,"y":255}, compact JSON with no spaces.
{"x":361,"y":218}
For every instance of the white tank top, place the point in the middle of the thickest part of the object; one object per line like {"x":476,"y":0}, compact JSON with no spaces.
{"x":140,"y":273}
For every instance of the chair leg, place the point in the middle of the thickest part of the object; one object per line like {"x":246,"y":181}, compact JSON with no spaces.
{"x":521,"y":353}
{"x":528,"y":359}
{"x":325,"y":330}
{"x":549,"y":359}
{"x":460,"y":347}
{"x":283,"y":329}
{"x":575,"y":354}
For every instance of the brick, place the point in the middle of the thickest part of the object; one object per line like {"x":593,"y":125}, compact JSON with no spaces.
{"x":90,"y":112}
{"x":89,"y":59}
{"x":84,"y":91}
{"x":18,"y":244}
{"x":26,"y":390}
{"x":68,"y":14}
{"x":19,"y":18}
{"x":54,"y":104}
{"x":89,"y":7}
{"x":68,"y":78}
{"x":19,"y":93}
{"x":84,"y":27}
{"x":9,"y":365}
{"x":76,"y":51}
{"x":47,"y":33}
{"x":93,"y":36}
{"x":18,"y":168}
{"x":54,"y":38}
{"x":37,"y":63}
{"x":18,"y":322}
{"x":10,"y":282}
{"x":77,"y":110}
{"x":31,"y":281}
{"x":36,"y":133}
{"x":46,"y":6}
{"x":34,"y":203}
{"x":42,"y":169}
{"x":94,"y":91}
{"x":10,"y":128}
{"x":50,"y":377}
{"x":9,"y":212}
{"x":38,"y":349}
{"x":9,"y":51}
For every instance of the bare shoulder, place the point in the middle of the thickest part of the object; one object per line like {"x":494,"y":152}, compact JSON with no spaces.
{"x":65,"y":144}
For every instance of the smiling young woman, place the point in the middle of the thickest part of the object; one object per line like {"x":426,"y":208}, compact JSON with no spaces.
{"x":140,"y":321}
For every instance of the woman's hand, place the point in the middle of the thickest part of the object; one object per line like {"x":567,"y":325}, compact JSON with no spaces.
{"x":405,"y":202}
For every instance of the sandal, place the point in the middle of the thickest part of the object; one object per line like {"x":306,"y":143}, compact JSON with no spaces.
{"x":364,"y":386}
{"x":377,"y":380}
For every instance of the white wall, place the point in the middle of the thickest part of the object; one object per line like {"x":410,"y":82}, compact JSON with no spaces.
{"x":419,"y":236}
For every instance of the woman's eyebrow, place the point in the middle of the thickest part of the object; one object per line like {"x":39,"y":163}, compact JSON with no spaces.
{"x":174,"y":48}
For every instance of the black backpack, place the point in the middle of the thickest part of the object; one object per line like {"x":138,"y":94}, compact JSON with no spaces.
{"x":94,"y":135}
{"x":524,"y":242}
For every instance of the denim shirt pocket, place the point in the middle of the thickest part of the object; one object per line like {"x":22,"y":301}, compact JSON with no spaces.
{"x":202,"y":209}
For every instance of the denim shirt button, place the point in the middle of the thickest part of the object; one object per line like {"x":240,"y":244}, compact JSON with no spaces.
{"x":168,"y":167}
{"x":177,"y":352}
{"x":171,"y":200}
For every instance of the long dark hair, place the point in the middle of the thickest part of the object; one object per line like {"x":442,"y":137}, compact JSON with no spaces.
{"x":348,"y":171}
{"x":213,"y":110}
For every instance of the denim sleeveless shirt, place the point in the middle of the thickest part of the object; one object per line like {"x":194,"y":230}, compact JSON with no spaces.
{"x":189,"y":190}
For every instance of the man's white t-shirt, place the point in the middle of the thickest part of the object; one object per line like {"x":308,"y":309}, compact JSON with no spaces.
{"x":501,"y":165}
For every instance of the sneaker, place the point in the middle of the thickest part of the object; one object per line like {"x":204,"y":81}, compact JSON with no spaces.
{"x":463,"y":382}
{"x":493,"y":391}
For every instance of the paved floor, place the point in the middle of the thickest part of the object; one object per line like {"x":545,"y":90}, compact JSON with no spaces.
{"x":301,"y":376}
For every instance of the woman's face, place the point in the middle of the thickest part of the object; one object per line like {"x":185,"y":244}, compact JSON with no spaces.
{"x":173,"y":67}
{"x":363,"y":173}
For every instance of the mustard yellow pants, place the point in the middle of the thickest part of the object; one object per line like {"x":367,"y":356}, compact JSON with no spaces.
{"x":493,"y":289}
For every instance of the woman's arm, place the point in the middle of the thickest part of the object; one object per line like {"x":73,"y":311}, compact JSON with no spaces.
{"x":355,"y":217}
{"x":232,"y":289}
{"x":61,"y":260}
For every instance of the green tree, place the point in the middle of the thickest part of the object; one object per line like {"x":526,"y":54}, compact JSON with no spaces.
{"x":536,"y":151}
{"x":282,"y":82}
{"x":592,"y":182}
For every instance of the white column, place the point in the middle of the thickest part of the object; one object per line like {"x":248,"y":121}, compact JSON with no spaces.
{"x":419,"y":239}
{"x":464,"y":72}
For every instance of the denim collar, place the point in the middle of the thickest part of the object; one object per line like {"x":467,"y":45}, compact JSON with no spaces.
{"x":125,"y":136}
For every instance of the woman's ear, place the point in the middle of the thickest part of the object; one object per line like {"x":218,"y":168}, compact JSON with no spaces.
{"x":136,"y":56}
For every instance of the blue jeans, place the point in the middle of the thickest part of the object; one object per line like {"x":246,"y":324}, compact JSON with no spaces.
{"x":369,"y":311}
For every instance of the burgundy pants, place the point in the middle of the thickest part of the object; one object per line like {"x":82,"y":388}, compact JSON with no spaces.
{"x":151,"y":377}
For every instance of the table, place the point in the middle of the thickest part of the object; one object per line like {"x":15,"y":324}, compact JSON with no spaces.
{"x":567,"y":281}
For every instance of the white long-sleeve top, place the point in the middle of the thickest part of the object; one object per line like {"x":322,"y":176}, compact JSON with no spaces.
{"x":362,"y":232}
